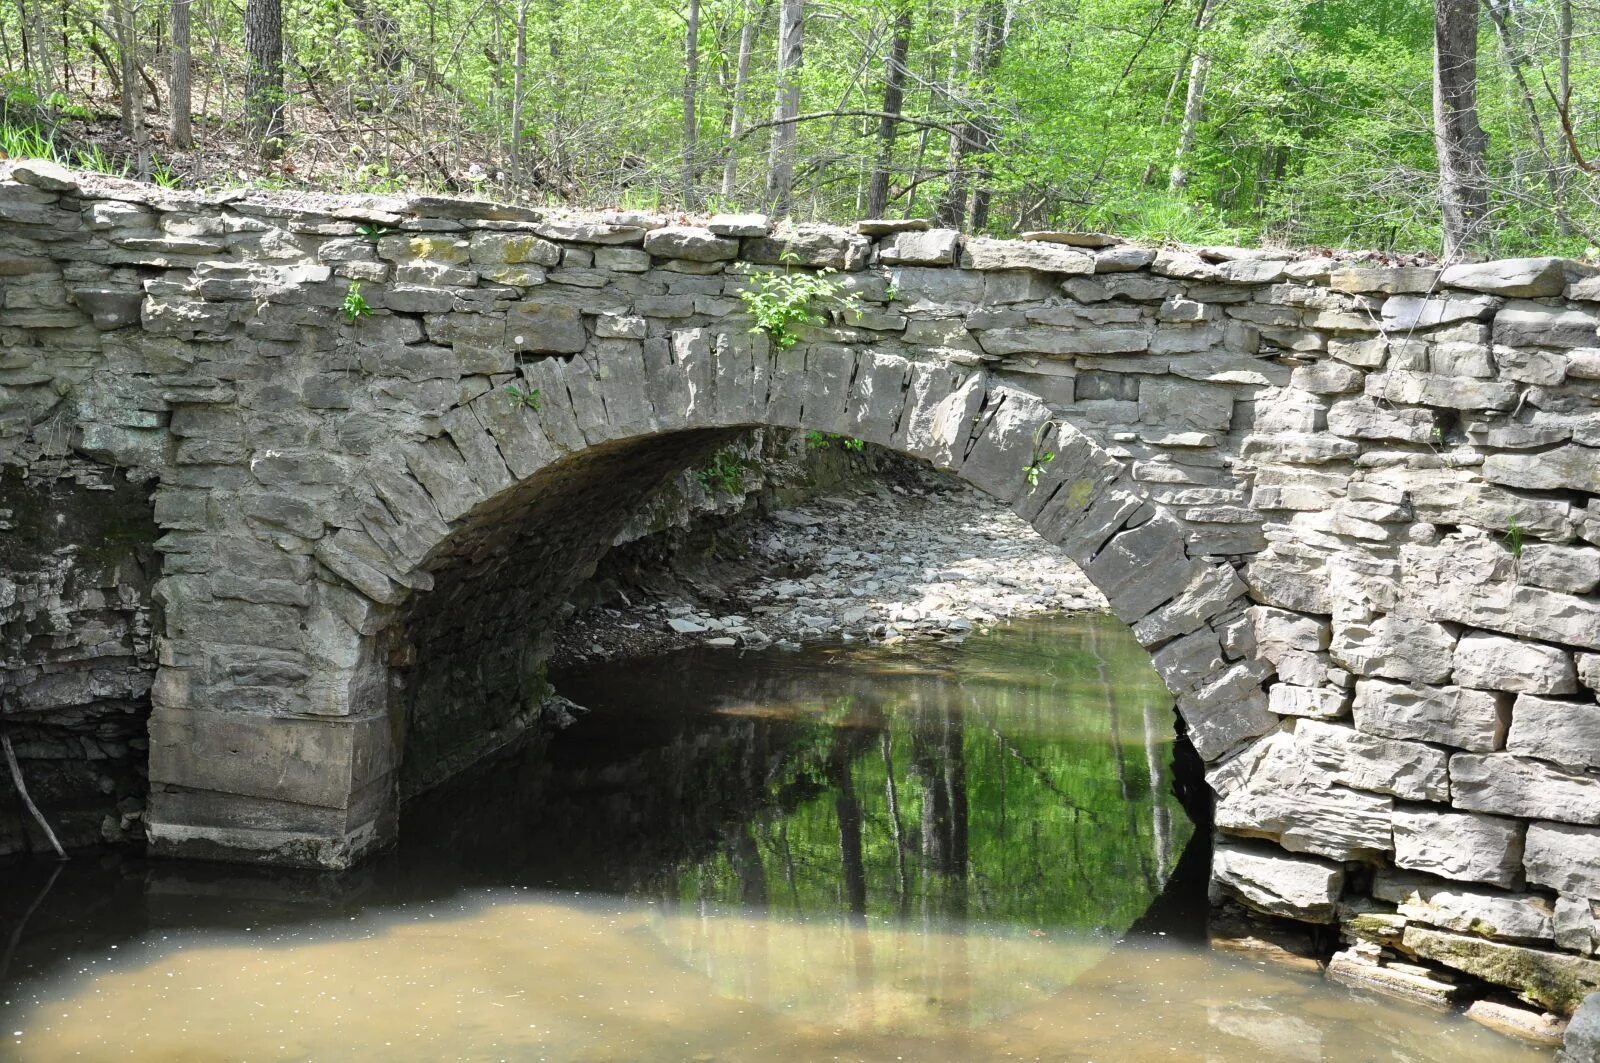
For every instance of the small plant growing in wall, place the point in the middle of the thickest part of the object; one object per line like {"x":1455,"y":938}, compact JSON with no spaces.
{"x":521,"y":396}
{"x":823,"y":440}
{"x":374,"y":232}
{"x":781,"y":301}
{"x":1513,"y":538}
{"x":355,"y":305}
{"x":724,"y":473}
{"x":1035,"y":467}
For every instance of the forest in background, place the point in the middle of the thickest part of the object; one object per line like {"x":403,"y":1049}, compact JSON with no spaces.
{"x":1299,"y":122}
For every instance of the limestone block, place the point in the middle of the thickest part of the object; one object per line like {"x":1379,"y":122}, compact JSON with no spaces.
{"x":1328,"y":378}
{"x":812,"y":246}
{"x":1046,"y":339}
{"x":1459,"y":845}
{"x":1446,"y":905}
{"x":1582,"y":1041}
{"x":1281,"y":629}
{"x":1433,"y":389}
{"x":1554,"y":980}
{"x":1185,"y":405}
{"x":1352,"y":758}
{"x":1565,"y":732}
{"x":1226,"y":708}
{"x":1537,"y":325}
{"x":544,"y":326}
{"x":1564,"y":857}
{"x":1491,"y":662}
{"x":1518,"y":786}
{"x":1386,"y":280}
{"x":1568,"y":468}
{"x":1210,"y":591}
{"x":1473,"y":720}
{"x":1319,"y":702}
{"x":934,"y":247}
{"x":1124,"y":258}
{"x":739,"y":224}
{"x":1577,"y":924}
{"x":1274,"y":791}
{"x":978,"y":252}
{"x":690,"y":244}
{"x":1520,"y":277}
{"x":1395,"y":647}
{"x":1405,"y":313}
{"x":1589,"y":670}
{"x":1568,"y":569}
{"x":1296,"y":887}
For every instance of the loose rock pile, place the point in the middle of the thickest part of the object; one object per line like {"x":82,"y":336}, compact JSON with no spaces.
{"x":929,"y":560}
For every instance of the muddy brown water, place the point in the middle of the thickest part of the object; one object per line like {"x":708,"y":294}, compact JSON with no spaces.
{"x":926,"y":852}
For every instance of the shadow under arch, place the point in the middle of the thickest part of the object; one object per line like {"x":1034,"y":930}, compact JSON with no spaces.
{"x":509,"y":495}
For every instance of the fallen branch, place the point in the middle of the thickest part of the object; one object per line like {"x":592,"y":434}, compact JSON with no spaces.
{"x":22,"y":791}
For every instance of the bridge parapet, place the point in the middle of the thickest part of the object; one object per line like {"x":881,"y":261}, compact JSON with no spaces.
{"x":1351,"y":508}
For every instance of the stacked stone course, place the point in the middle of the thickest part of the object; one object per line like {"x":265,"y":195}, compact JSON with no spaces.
{"x":1350,"y":508}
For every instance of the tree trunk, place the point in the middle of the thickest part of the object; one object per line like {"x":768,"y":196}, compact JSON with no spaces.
{"x":741,"y":78}
{"x":1193,"y":103}
{"x":994,"y":38}
{"x":133,"y":125}
{"x":780,"y":162}
{"x":894,"y":94}
{"x":519,"y":73}
{"x":1459,"y":140}
{"x":691,"y":85}
{"x":263,"y":80}
{"x":178,"y":91}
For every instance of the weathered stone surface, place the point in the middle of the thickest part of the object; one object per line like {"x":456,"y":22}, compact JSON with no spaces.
{"x":1491,"y":662}
{"x":1296,"y":887}
{"x":1408,"y":770}
{"x":1473,"y":720}
{"x":690,"y":244}
{"x":1273,"y":791}
{"x":1570,"y":468}
{"x":978,"y":252}
{"x":935,"y":247}
{"x":1485,"y":913}
{"x":1537,"y":325}
{"x":1404,"y":313}
{"x":1554,"y":980}
{"x":1564,"y":732}
{"x":1582,"y":1041}
{"x":1395,"y":647}
{"x":1564,"y":857}
{"x":1517,"y":786}
{"x":1433,"y":389}
{"x":1536,"y":1027}
{"x":1577,"y":924}
{"x":1459,"y":845}
{"x":1521,"y":277}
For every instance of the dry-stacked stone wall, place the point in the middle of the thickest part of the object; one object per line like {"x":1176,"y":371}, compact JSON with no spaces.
{"x":1350,"y":508}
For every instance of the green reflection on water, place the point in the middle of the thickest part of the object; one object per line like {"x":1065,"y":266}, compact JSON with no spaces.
{"x":1020,"y":778}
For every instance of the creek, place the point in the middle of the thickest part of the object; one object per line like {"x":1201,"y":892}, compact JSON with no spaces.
{"x":961,"y":850}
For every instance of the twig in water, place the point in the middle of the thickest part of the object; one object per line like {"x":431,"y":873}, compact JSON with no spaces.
{"x":22,"y":791}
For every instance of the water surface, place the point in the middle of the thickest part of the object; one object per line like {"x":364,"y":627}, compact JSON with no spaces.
{"x":927,"y":852}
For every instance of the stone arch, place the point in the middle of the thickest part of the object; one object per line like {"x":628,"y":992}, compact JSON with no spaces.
{"x":451,"y":509}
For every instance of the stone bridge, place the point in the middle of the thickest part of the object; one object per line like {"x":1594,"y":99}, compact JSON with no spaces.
{"x":1351,"y":509}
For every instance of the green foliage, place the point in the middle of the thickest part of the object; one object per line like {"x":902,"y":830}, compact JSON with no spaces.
{"x":723,"y":474}
{"x":374,"y":232}
{"x":780,"y":301}
{"x":1513,"y":537}
{"x":26,"y":142}
{"x":1036,"y":467}
{"x":822,"y":440}
{"x":355,"y":305}
{"x":521,"y":396}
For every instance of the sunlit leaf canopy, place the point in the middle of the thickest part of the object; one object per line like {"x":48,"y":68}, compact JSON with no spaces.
{"x":1312,"y":124}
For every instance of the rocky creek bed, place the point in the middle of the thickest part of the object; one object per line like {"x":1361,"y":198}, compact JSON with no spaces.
{"x":914,"y":555}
